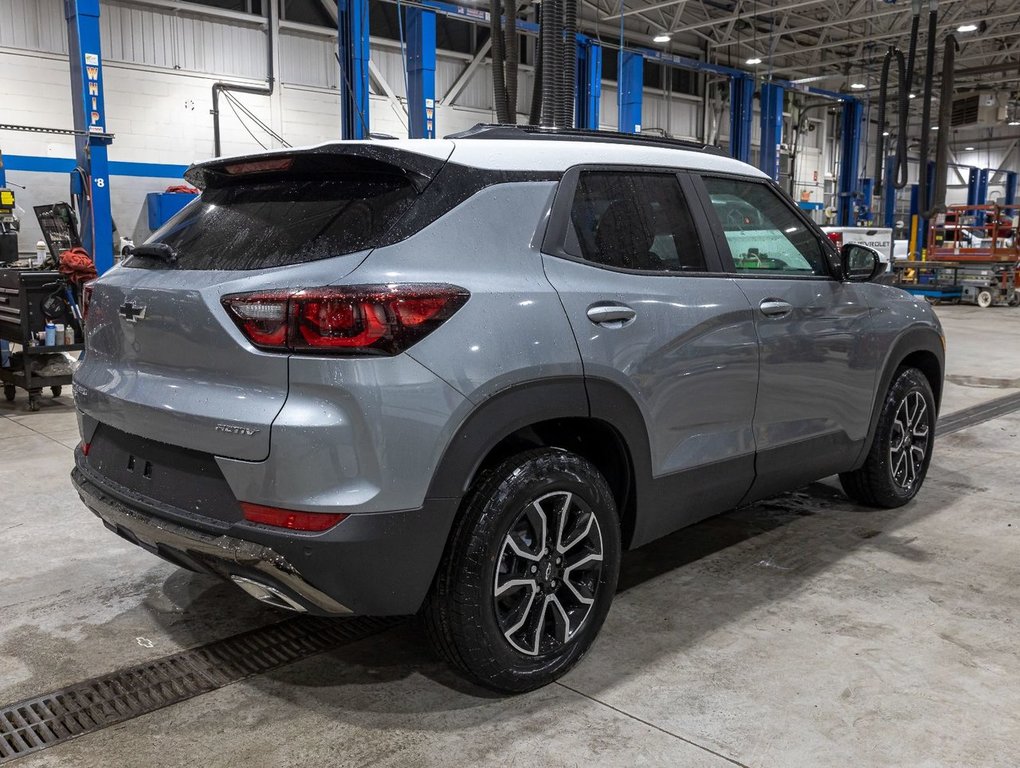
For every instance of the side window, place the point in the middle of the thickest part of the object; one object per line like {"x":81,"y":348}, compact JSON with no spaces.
{"x":633,"y":221}
{"x":764,"y":235}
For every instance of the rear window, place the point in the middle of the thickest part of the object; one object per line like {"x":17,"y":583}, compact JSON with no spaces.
{"x":279,"y":221}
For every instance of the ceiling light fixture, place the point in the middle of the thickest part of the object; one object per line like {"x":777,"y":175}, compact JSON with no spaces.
{"x":858,"y":86}
{"x":913,"y":95}
{"x":967,"y":28}
{"x":662,"y":37}
{"x":968,"y":149}
{"x":754,"y":61}
{"x":1013,"y":122}
{"x":885,"y":133}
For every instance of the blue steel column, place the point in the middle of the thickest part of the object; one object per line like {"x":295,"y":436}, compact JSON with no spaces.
{"x":771,"y":128}
{"x":421,"y":73}
{"x":90,"y":119}
{"x":352,"y":39}
{"x":741,"y":111}
{"x":630,"y":86}
{"x":589,"y":85}
{"x":1011,"y":181}
{"x":889,"y":192}
{"x":972,"y":186}
{"x":849,"y":159}
{"x":982,"y":194}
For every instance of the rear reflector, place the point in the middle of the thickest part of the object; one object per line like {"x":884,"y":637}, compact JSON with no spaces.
{"x":85,"y":447}
{"x":289,"y":518}
{"x":348,"y":320}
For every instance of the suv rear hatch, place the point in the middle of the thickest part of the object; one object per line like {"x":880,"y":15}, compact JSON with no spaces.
{"x":163,"y":358}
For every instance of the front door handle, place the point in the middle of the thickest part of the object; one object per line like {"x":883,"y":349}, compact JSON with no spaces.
{"x":613,"y":315}
{"x":775,"y":307}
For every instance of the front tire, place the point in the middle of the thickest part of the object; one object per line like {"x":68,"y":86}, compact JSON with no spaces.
{"x":901,"y":451}
{"x":529,"y":572}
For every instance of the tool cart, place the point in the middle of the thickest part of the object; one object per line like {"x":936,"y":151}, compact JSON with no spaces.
{"x":29,"y":299}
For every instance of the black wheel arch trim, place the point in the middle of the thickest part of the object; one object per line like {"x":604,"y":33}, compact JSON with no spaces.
{"x":918,"y":339}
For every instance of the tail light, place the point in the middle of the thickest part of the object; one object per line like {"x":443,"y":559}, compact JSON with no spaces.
{"x":86,"y":299}
{"x":289,"y":518}
{"x":348,"y":320}
{"x":836,"y":238}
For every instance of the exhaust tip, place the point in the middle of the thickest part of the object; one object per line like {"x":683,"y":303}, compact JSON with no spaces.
{"x":267,"y":594}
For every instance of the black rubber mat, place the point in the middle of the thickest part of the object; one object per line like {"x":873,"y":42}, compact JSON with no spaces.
{"x":54,"y":718}
{"x":976,"y":414}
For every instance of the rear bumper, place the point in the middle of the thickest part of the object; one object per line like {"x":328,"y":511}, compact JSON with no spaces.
{"x":370,"y":564}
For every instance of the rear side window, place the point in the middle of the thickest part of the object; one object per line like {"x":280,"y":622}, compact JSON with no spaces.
{"x":632,"y":220}
{"x":282,"y":220}
{"x":764,"y":235}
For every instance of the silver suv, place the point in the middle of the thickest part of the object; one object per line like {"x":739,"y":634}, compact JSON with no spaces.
{"x":459,"y":377}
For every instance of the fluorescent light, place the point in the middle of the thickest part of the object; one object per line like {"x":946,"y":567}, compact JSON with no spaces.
{"x":968,"y":149}
{"x":913,"y":95}
{"x":662,"y":37}
{"x":885,"y":133}
{"x":858,"y":86}
{"x":754,"y":61}
{"x":1013,"y":122}
{"x":934,"y":127}
{"x":967,"y":28}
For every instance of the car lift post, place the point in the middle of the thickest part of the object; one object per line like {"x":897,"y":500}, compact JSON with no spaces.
{"x":589,"y":84}
{"x":353,"y":54}
{"x":984,"y":176}
{"x":91,"y":139}
{"x":631,"y":83}
{"x":421,"y":72}
{"x":972,"y":186}
{"x":741,"y":111}
{"x":771,"y":129}
{"x":1010,"y":196}
{"x":850,"y":147}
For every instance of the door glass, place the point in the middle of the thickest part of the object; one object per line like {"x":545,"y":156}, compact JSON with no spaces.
{"x":633,"y":220}
{"x":764,"y":235}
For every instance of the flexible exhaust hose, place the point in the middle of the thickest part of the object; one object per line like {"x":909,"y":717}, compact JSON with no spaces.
{"x":906,"y":86}
{"x":512,"y":59}
{"x":938,"y":205}
{"x":929,"y":74}
{"x":536,"y":87}
{"x":900,"y":170}
{"x":556,"y":59}
{"x":498,"y":58}
{"x":568,"y":81}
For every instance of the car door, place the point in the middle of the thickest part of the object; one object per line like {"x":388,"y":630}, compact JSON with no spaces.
{"x":818,"y":372}
{"x":666,"y":339}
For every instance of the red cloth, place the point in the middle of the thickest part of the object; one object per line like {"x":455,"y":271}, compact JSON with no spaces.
{"x":77,"y":266}
{"x":183,"y":188}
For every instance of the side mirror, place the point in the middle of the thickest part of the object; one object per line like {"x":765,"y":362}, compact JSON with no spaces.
{"x":860,"y":263}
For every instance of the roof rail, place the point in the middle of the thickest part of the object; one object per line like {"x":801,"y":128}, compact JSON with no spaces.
{"x":497,"y":131}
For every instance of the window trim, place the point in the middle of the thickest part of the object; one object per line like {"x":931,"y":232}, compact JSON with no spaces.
{"x":554,"y":241}
{"x":829,"y":253}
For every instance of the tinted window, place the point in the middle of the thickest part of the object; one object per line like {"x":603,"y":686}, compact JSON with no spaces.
{"x":633,"y":221}
{"x":282,"y":221}
{"x":764,"y":235}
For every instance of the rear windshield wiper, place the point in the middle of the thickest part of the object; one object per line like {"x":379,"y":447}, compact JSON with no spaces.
{"x":154,"y":250}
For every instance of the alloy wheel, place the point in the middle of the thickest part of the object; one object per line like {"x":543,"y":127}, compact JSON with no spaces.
{"x":548,"y":573}
{"x":908,"y":440}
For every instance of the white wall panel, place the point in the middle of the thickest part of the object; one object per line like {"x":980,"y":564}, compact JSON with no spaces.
{"x":139,"y":35}
{"x":36,"y":25}
{"x":308,"y":60}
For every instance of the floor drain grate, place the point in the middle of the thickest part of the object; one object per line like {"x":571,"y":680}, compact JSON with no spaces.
{"x":45,"y":721}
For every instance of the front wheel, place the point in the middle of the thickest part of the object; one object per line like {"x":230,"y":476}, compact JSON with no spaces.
{"x":901,"y":451}
{"x":529,"y":572}
{"x":984,"y":299}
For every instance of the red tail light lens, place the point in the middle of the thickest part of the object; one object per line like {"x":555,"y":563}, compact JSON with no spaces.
{"x":350,"y":320}
{"x":289,"y":518}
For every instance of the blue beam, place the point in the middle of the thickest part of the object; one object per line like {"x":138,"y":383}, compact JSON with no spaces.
{"x":630,"y":89}
{"x":1011,"y":182}
{"x":421,"y":73}
{"x":972,"y":186}
{"x":741,"y":111}
{"x":352,"y":42}
{"x":589,"y":85}
{"x":89,"y":110}
{"x":771,"y":129}
{"x":889,"y":193}
{"x":849,"y":165}
{"x":867,"y":190}
{"x":3,"y":173}
{"x":984,"y":175}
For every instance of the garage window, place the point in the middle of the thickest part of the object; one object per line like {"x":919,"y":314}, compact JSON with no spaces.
{"x":629,"y":220}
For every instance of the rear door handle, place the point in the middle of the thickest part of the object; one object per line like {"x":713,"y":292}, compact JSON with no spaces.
{"x":775,"y":307}
{"x":611,"y":314}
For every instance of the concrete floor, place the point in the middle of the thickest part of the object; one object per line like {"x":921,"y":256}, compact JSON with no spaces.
{"x":802,"y":631}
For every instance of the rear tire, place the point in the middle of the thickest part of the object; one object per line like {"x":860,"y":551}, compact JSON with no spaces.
{"x":901,"y":450}
{"x":984,"y":299}
{"x":529,"y":572}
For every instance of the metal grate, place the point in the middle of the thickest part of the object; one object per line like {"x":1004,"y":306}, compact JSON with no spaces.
{"x":54,"y":718}
{"x":977,"y":414}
